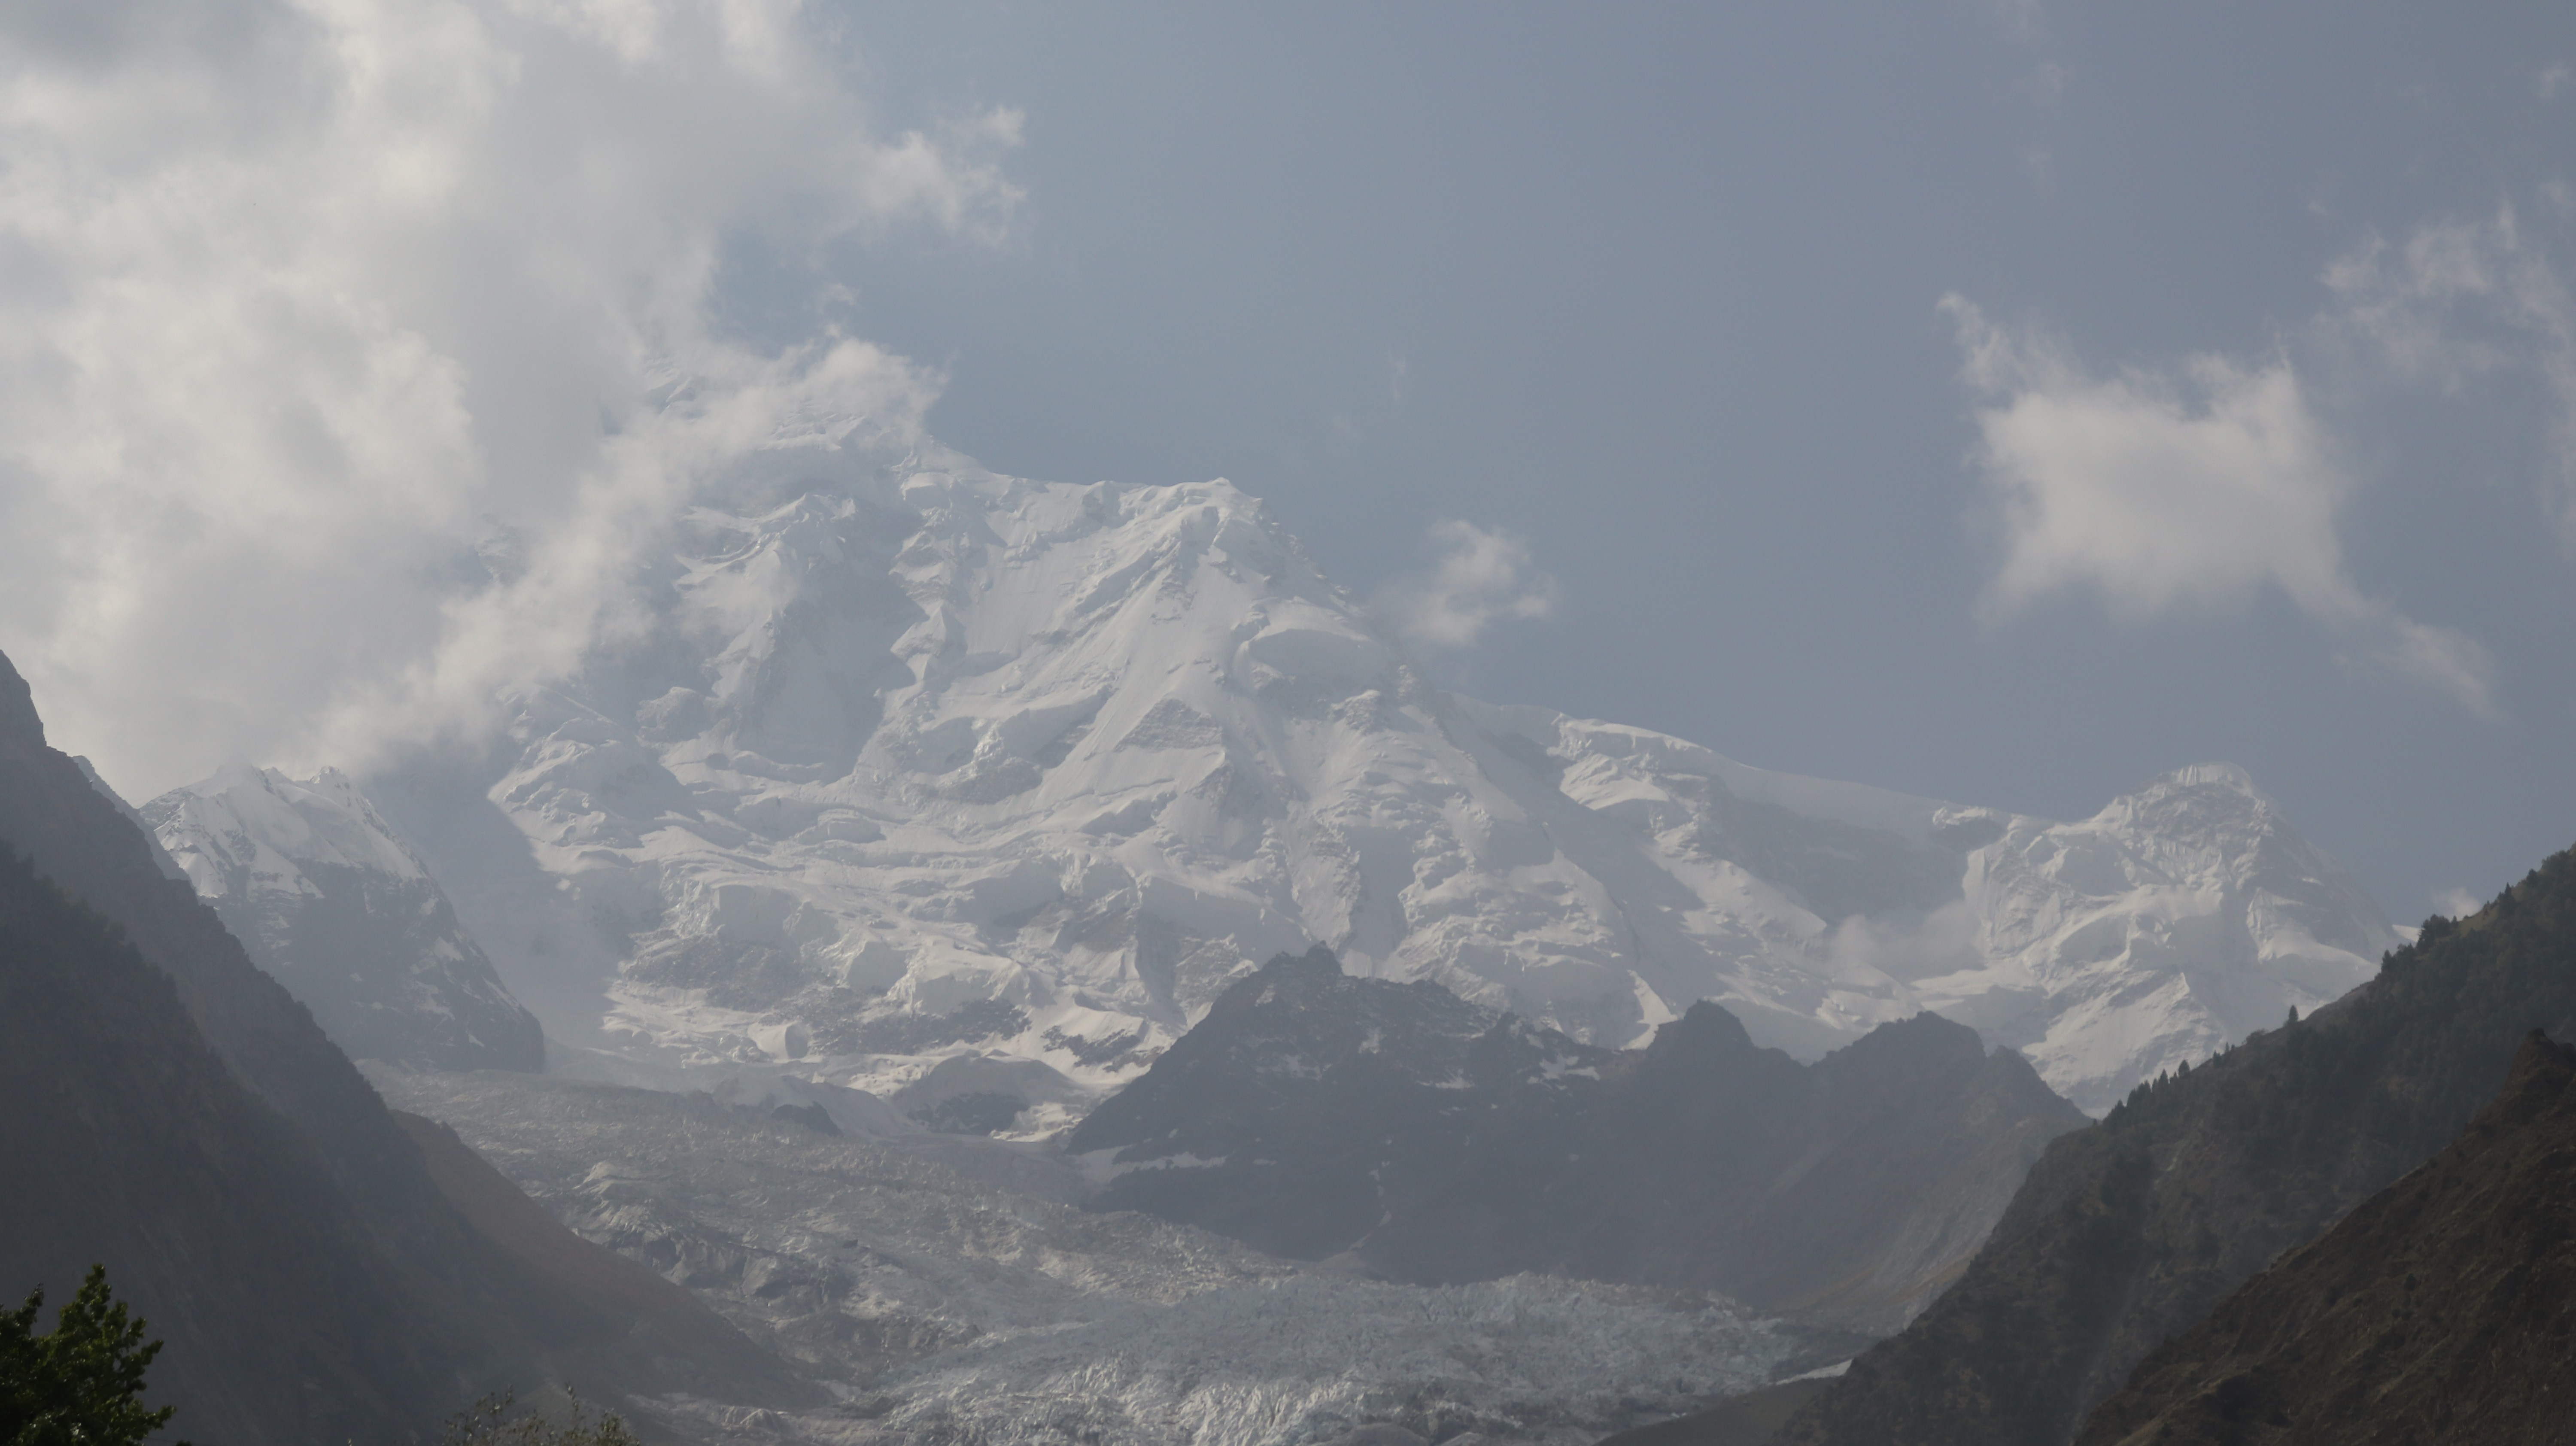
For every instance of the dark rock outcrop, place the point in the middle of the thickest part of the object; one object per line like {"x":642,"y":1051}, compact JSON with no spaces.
{"x":2443,"y":1309}
{"x":2135,"y":1229}
{"x":1312,"y":1114}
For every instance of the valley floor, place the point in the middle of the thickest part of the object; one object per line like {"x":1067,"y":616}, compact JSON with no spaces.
{"x":952,"y":1288}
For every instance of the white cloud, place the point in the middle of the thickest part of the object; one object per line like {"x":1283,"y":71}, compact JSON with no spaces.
{"x":2457,"y":903}
{"x":2189,"y":491}
{"x":2458,"y":301}
{"x":1480,"y":576}
{"x":2021,"y":19}
{"x":298,"y":296}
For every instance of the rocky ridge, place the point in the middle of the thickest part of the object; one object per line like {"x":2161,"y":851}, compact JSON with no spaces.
{"x":1315,"y":1114}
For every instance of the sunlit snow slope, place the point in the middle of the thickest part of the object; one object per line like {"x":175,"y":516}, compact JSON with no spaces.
{"x":932,"y":766}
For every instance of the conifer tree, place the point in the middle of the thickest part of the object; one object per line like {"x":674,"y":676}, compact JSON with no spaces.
{"x":81,"y":1385}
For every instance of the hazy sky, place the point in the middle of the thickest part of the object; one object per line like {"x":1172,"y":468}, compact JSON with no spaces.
{"x":2000,"y":402}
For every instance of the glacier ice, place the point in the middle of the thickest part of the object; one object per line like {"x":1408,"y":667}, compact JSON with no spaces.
{"x":952,"y":1289}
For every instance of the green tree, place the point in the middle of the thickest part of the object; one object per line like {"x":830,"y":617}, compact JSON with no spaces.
{"x":82,"y":1385}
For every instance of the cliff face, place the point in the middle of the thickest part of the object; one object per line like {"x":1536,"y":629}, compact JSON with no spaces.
{"x":1313,"y":1113}
{"x":2133,"y":1230}
{"x":2443,"y":1309}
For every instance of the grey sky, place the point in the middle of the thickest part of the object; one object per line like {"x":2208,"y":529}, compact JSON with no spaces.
{"x":1658,"y":289}
{"x":2000,"y":402}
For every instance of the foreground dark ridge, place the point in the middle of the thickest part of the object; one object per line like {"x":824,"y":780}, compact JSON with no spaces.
{"x":1312,"y":1113}
{"x":2444,"y":1309}
{"x":2135,"y":1229}
{"x":174,"y":1114}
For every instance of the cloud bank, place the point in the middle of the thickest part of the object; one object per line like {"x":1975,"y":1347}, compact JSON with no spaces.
{"x":2183,"y":491}
{"x":1479,"y":576}
{"x":301,"y":298}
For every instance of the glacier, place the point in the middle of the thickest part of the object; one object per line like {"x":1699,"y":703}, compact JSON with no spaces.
{"x":951,"y":1288}
{"x":972,"y":792}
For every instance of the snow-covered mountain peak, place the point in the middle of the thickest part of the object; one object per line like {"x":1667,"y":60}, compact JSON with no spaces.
{"x":247,"y":827}
{"x":932,"y":764}
{"x":2209,"y":775}
{"x":333,"y":903}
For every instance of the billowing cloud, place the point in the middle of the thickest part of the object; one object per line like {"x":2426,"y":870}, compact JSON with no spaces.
{"x":2184,"y":491}
{"x":1479,"y":576}
{"x":301,"y":298}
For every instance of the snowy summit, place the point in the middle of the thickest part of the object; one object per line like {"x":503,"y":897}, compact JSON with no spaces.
{"x":929,"y":769}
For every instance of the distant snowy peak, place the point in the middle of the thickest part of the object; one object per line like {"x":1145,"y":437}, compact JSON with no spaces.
{"x":334,"y":905}
{"x":2176,"y":921}
{"x":924,"y":764}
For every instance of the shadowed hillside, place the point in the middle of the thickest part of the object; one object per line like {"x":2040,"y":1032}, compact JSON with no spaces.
{"x":175,"y":1115}
{"x":2135,"y":1229}
{"x":2444,"y":1309}
{"x":1312,"y":1113}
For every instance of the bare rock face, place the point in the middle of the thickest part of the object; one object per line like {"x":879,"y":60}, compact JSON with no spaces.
{"x":2443,"y":1309}
{"x":1312,"y":1114}
{"x":336,"y":906}
{"x":2137,"y":1228}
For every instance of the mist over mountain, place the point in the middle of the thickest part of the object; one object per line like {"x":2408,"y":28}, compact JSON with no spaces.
{"x":2133,"y":1230}
{"x":890,"y":740}
{"x":696,"y":889}
{"x":331,"y":903}
{"x":1315,"y":1114}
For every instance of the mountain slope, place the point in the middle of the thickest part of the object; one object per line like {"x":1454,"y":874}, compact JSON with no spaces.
{"x":2442,"y":1309}
{"x":181,"y":1119}
{"x":1312,"y":1113}
{"x":2136,"y":1228}
{"x":893,"y":737}
{"x":138,"y":1148}
{"x":336,"y":907}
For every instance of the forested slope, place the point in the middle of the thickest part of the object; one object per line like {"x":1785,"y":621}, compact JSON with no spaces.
{"x":2135,"y":1229}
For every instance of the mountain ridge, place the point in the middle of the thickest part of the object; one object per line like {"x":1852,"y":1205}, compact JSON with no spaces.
{"x":1314,"y":1114}
{"x":892,"y":737}
{"x":2438,"y":1310}
{"x":261,"y":1205}
{"x":2135,"y":1228}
